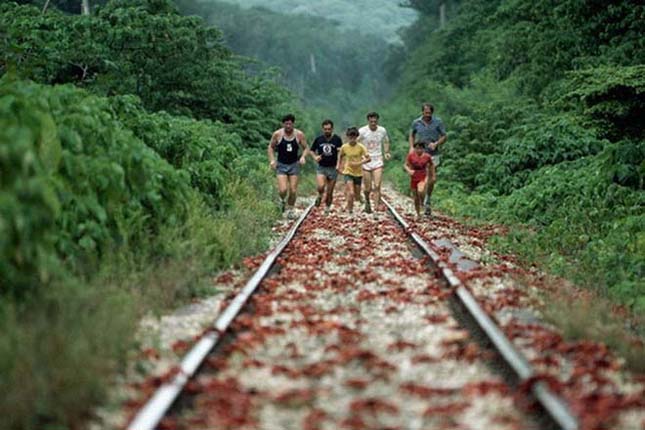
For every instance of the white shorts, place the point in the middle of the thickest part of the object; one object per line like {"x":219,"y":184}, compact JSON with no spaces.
{"x":374,"y":164}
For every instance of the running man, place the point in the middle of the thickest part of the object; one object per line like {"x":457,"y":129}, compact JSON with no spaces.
{"x":286,"y":141}
{"x":375,"y":139}
{"x":418,"y":164}
{"x":324,"y":151}
{"x":432,"y":133}
{"x":352,"y":156}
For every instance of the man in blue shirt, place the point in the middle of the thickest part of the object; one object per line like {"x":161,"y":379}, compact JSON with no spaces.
{"x":431,"y":132}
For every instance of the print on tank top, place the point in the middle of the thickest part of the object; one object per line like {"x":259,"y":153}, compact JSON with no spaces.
{"x":288,"y":150}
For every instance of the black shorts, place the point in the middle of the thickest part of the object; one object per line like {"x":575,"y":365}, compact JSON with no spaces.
{"x":358,"y":180}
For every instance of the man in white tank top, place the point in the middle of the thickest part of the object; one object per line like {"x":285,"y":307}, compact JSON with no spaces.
{"x":375,"y":139}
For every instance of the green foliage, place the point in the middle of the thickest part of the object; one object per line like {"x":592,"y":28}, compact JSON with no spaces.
{"x":612,"y":98}
{"x":83,"y":178}
{"x":109,"y":211}
{"x":81,"y":195}
{"x":30,"y":153}
{"x":582,"y":215}
{"x":203,"y":149}
{"x":68,"y":6}
{"x":144,"y":48}
{"x":543,"y":104}
{"x":59,"y":352}
{"x":384,"y":20}
{"x":55,"y":353}
{"x":529,"y":42}
{"x":329,"y":66}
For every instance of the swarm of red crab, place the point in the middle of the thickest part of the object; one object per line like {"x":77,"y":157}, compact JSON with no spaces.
{"x":355,"y":332}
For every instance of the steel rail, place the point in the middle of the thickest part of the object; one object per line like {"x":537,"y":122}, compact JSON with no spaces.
{"x":164,"y":397}
{"x":554,"y":405}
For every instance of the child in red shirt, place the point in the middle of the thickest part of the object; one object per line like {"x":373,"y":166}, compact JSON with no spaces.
{"x":418,"y":164}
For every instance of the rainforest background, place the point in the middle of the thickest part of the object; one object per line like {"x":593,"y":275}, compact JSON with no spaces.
{"x":133,"y":166}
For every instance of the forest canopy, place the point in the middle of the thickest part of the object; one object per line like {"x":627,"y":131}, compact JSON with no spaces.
{"x":542,"y":102}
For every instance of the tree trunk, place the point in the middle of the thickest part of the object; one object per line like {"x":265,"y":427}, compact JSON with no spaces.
{"x":85,"y":7}
{"x":312,"y":62}
{"x":442,"y":14}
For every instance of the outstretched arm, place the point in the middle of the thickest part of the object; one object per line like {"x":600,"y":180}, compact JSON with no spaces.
{"x":339,"y":164}
{"x":439,"y":142}
{"x":271,"y":150}
{"x":411,"y":141}
{"x":302,"y":141}
{"x":386,"y":147}
{"x":407,"y":167}
{"x":313,"y":154}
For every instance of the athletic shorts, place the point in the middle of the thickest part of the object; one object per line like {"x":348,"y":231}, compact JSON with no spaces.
{"x":328,"y":172}
{"x":416,"y":179}
{"x":375,"y":163}
{"x":436,"y":158}
{"x":292,"y":169}
{"x":357,"y":180}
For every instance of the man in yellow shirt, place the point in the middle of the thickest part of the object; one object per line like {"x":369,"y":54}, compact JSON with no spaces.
{"x":351,"y":157}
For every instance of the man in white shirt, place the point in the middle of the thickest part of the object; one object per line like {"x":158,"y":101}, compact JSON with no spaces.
{"x":376,"y":140}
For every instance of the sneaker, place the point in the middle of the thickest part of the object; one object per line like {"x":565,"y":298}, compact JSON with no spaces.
{"x":291,"y":214}
{"x":326,"y":210}
{"x":428,"y":211}
{"x":318,"y":199}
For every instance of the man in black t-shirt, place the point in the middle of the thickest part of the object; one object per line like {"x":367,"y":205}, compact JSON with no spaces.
{"x":325,"y":151}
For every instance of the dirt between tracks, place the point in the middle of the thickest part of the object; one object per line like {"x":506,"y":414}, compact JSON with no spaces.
{"x":355,"y":332}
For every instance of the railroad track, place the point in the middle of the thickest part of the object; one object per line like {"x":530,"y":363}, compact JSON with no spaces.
{"x":157,"y":407}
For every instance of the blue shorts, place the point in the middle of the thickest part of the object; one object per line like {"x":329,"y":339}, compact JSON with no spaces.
{"x":328,"y":172}
{"x":358,"y":180}
{"x":292,"y":169}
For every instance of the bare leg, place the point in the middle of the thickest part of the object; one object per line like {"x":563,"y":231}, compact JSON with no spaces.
{"x":283,"y":188}
{"x":367,"y":188}
{"x":349,"y":194}
{"x":431,"y":181}
{"x":320,"y":187}
{"x":331,"y":183}
{"x":376,"y":185}
{"x":293,"y":189}
{"x":419,"y":195}
{"x":357,"y":190}
{"x":417,"y":205}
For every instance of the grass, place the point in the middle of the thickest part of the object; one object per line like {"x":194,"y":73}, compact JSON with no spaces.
{"x":60,"y":350}
{"x":588,"y":317}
